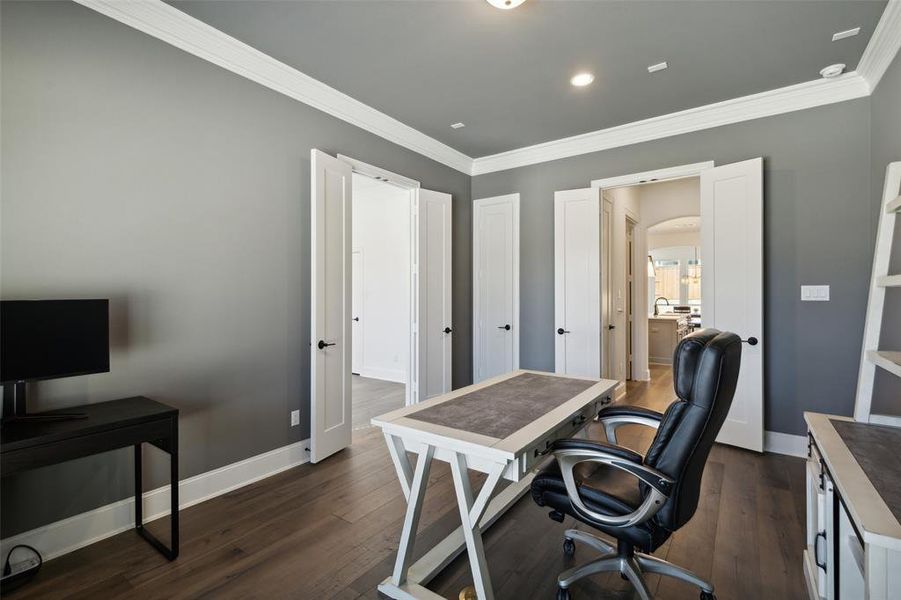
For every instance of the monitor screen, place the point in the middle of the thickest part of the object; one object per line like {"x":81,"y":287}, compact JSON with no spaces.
{"x":45,"y":339}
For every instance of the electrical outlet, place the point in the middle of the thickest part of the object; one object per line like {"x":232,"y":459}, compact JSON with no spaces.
{"x":295,"y":418}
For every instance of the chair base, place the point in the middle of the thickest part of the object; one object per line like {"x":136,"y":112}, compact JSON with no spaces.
{"x":627,"y":562}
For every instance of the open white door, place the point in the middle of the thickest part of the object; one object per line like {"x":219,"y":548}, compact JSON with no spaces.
{"x":732,"y":284}
{"x":577,"y":282}
{"x":356,"y":363}
{"x":495,"y":286}
{"x":432,"y":303}
{"x":330,"y":304}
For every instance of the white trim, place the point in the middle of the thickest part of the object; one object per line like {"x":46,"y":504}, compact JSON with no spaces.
{"x":655,"y":176}
{"x":785,"y":443}
{"x":67,"y":535}
{"x":513,"y":199}
{"x":890,"y":420}
{"x":394,"y":375}
{"x":368,"y":170}
{"x":883,"y":45}
{"x":765,"y":104}
{"x":167,"y":23}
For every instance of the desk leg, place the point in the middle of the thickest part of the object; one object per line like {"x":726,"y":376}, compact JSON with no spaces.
{"x":411,"y":520}
{"x":471,"y":511}
{"x":172,"y":551}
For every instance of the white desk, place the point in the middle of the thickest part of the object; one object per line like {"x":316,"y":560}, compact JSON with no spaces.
{"x":514,"y":457}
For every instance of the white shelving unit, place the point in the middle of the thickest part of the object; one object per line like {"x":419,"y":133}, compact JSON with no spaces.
{"x":872,"y":355}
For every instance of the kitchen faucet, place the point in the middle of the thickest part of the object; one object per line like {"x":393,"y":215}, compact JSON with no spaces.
{"x":656,"y":309}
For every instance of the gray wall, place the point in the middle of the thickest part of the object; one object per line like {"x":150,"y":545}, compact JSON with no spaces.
{"x":885,"y":124}
{"x":180,"y":191}
{"x":819,"y":228}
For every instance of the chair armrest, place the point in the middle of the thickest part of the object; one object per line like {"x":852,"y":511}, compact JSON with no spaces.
{"x":571,"y":452}
{"x":614,"y":416}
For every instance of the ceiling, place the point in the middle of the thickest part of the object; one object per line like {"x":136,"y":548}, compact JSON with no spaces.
{"x":677,"y":225}
{"x":505,"y":74}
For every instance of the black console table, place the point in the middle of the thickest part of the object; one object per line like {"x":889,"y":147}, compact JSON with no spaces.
{"x":107,"y":426}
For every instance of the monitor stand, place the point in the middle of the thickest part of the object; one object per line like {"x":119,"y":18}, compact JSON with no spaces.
{"x":14,"y":407}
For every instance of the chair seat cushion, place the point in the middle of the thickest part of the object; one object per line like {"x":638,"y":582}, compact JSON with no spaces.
{"x":604,"y":490}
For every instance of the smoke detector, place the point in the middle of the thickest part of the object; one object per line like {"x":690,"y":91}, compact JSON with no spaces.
{"x":833,"y":71}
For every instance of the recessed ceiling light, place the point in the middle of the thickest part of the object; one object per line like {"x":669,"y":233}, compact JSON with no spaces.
{"x":457,"y":125}
{"x":582,"y":79}
{"x":658,"y":67}
{"x":840,"y":35}
{"x":505,"y":4}
{"x":833,"y":71}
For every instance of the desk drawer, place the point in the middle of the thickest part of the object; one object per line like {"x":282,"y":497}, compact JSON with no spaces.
{"x":14,"y":461}
{"x":577,"y":422}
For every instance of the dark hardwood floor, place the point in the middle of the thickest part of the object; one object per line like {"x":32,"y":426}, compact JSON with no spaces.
{"x":331,"y":530}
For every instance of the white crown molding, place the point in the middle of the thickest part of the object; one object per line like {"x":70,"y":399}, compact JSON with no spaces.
{"x":167,"y":23}
{"x":67,"y":535}
{"x":765,"y":104}
{"x":883,"y":45}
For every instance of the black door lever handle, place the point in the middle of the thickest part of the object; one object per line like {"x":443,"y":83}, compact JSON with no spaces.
{"x":561,"y":331}
{"x":447,"y":330}
{"x":356,"y":318}
{"x":507,"y":327}
{"x":322,"y":344}
{"x":751,"y":341}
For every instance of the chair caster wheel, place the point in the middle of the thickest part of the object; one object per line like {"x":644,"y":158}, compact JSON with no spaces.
{"x":707,"y":596}
{"x":569,"y":547}
{"x":563,"y":594}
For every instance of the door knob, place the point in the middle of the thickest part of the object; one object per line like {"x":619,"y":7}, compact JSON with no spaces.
{"x":751,"y":341}
{"x":322,"y":344}
{"x":561,"y":331}
{"x":447,"y":330}
{"x":507,"y":327}
{"x":356,"y":318}
{"x":611,"y":326}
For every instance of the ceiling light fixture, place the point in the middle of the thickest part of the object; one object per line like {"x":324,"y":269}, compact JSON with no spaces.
{"x":833,"y":71}
{"x":457,"y":125}
{"x":658,"y":67}
{"x":505,"y":4}
{"x":840,"y":35}
{"x":582,"y":79}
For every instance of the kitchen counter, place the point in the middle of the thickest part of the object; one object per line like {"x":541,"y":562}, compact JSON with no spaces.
{"x":664,"y":333}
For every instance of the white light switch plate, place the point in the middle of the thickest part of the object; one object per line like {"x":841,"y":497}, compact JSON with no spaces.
{"x":815,"y":293}
{"x":295,"y":418}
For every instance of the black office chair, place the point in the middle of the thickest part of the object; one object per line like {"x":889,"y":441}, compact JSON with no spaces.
{"x":641,"y":500}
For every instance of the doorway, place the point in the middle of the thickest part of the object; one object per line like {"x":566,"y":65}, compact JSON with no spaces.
{"x":381,"y":297}
{"x":421,"y":341}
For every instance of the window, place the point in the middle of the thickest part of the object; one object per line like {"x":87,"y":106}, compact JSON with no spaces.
{"x":694,"y":282}
{"x":666,"y":283}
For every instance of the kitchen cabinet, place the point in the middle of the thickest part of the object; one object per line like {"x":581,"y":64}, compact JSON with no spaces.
{"x":664,"y":332}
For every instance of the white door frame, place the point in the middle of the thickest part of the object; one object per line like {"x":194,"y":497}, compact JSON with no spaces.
{"x":412,"y":186}
{"x":476,"y":256}
{"x":640,"y":369}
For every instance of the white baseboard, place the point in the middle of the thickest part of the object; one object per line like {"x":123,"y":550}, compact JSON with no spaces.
{"x":785,"y":443}
{"x":86,"y":528}
{"x":395,"y":375}
{"x":890,"y":420}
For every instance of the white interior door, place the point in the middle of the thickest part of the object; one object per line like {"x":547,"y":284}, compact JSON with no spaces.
{"x":577,"y":282}
{"x":356,"y":363}
{"x":495,"y":285}
{"x":608,"y":318}
{"x":330,"y":301}
{"x":432,"y":306}
{"x":732,"y":284}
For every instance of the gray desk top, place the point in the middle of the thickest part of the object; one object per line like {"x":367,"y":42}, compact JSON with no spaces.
{"x":876,"y":449}
{"x":504,"y":408}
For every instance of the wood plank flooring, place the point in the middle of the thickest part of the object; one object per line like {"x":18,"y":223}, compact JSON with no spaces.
{"x":331,"y":530}
{"x":374,"y":397}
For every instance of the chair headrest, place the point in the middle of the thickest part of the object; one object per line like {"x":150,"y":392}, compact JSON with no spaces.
{"x":703,"y":348}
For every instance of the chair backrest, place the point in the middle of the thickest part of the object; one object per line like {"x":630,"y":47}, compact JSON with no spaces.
{"x":705,"y":373}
